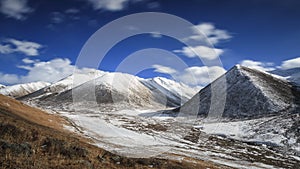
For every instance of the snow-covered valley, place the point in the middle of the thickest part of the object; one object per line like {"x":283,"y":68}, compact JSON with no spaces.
{"x":148,"y":133}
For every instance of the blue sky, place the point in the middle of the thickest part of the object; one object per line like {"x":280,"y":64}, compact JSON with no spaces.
{"x":40,"y":40}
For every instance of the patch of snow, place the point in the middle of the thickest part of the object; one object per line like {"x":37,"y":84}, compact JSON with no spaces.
{"x":120,"y":139}
{"x":269,"y":131}
{"x":236,"y":130}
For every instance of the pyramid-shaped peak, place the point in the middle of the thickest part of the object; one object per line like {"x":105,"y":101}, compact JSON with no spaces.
{"x":249,"y":93}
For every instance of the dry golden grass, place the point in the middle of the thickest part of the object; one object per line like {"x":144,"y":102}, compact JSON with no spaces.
{"x":32,"y":114}
{"x":31,"y":138}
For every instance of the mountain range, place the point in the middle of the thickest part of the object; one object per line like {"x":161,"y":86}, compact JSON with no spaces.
{"x":105,"y":87}
{"x":244,"y":109}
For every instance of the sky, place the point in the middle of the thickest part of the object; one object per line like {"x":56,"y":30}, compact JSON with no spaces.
{"x":41,"y":40}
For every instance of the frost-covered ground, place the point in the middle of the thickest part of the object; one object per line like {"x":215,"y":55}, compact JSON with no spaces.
{"x":275,"y":131}
{"x":146,"y":133}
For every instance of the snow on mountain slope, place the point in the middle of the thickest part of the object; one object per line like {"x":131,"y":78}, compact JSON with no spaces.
{"x":118,"y":90}
{"x":2,"y":86}
{"x":20,"y":90}
{"x":114,"y":87}
{"x":171,"y":88}
{"x":74,"y":80}
{"x":249,"y":94}
{"x":67,"y":83}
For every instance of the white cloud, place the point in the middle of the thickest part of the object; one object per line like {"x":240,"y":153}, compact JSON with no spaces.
{"x":47,"y":71}
{"x":193,"y":76}
{"x":202,"y":51}
{"x":25,"y":47}
{"x":204,"y":36}
{"x":153,"y":5}
{"x":72,"y":11}
{"x":5,"y":49}
{"x":110,"y":5}
{"x":57,"y":17}
{"x":118,"y":5}
{"x":16,"y":9}
{"x":28,"y":61}
{"x":211,"y":34}
{"x":200,"y":75}
{"x":155,"y":35}
{"x":70,"y":14}
{"x":9,"y":78}
{"x":164,"y":69}
{"x":258,"y":65}
{"x":292,"y":63}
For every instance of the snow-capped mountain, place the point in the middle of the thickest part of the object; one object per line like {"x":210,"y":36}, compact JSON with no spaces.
{"x":111,"y":88}
{"x":65,"y":84}
{"x":259,"y":108}
{"x":74,"y":80}
{"x":20,"y":90}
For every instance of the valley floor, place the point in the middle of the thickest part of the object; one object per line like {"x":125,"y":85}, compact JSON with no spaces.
{"x":148,"y":133}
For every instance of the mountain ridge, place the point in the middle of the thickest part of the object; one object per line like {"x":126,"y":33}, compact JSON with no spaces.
{"x":114,"y":87}
{"x":20,"y":90}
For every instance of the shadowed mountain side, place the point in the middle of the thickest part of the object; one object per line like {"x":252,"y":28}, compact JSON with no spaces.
{"x":250,"y":94}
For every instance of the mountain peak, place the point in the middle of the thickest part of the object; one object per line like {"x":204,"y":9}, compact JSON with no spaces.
{"x":241,"y":68}
{"x":249,"y":94}
{"x":237,"y":66}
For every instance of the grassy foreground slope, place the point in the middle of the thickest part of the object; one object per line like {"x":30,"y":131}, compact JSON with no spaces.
{"x":31,"y":138}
